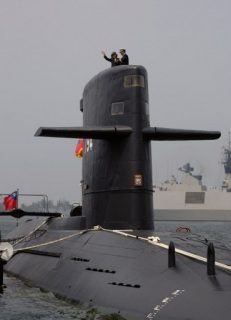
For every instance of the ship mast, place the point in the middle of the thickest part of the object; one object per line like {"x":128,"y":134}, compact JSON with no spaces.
{"x":227,"y":166}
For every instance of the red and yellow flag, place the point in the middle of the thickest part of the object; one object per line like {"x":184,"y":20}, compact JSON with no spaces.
{"x":79,"y":148}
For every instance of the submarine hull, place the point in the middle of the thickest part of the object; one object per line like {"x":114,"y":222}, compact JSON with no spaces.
{"x":117,"y":274}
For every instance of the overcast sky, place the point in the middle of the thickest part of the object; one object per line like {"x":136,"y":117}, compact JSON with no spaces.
{"x":49,"y":49}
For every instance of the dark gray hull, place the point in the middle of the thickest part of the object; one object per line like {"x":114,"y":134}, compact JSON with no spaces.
{"x":118,"y":274}
{"x":102,"y":268}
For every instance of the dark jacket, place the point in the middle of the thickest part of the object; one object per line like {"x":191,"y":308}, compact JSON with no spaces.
{"x":113,"y":62}
{"x":125,"y":59}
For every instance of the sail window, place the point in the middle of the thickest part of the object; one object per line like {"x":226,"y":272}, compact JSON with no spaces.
{"x":134,"y":81}
{"x":117,"y":108}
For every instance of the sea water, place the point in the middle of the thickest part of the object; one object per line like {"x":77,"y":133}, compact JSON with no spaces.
{"x":21,"y":302}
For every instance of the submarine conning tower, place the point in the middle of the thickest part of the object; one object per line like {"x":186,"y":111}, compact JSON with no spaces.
{"x":117,"y":166}
{"x":117,"y":173}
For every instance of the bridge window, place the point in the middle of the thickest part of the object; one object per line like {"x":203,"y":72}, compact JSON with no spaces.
{"x":117,"y":108}
{"x":194,"y":197}
{"x":134,"y":81}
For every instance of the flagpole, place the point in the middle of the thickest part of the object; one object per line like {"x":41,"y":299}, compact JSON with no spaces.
{"x":17,"y":204}
{"x":17,"y":198}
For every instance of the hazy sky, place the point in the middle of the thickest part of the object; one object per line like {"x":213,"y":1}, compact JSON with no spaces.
{"x":49,"y":49}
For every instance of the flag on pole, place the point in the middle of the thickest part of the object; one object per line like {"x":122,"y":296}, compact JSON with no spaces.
{"x":79,"y":148}
{"x":10,"y":201}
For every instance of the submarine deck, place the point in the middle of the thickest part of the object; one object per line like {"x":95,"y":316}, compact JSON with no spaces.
{"x":119,"y":273}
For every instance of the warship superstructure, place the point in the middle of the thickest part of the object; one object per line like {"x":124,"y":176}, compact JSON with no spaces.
{"x":227,"y":167}
{"x":106,"y":256}
{"x":190,"y":200}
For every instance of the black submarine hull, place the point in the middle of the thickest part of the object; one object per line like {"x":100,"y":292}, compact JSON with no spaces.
{"x":117,"y":273}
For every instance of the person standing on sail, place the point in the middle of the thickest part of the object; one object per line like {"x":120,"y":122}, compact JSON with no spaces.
{"x":114,"y":59}
{"x":124,"y":57}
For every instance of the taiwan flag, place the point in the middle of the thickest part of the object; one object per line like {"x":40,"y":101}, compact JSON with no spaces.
{"x":10,"y":201}
{"x":79,"y":148}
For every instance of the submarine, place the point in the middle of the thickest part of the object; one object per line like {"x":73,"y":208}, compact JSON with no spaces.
{"x":105,"y":254}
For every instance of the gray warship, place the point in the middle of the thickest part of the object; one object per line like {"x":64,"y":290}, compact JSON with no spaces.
{"x":105,"y":254}
{"x":190,"y":200}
